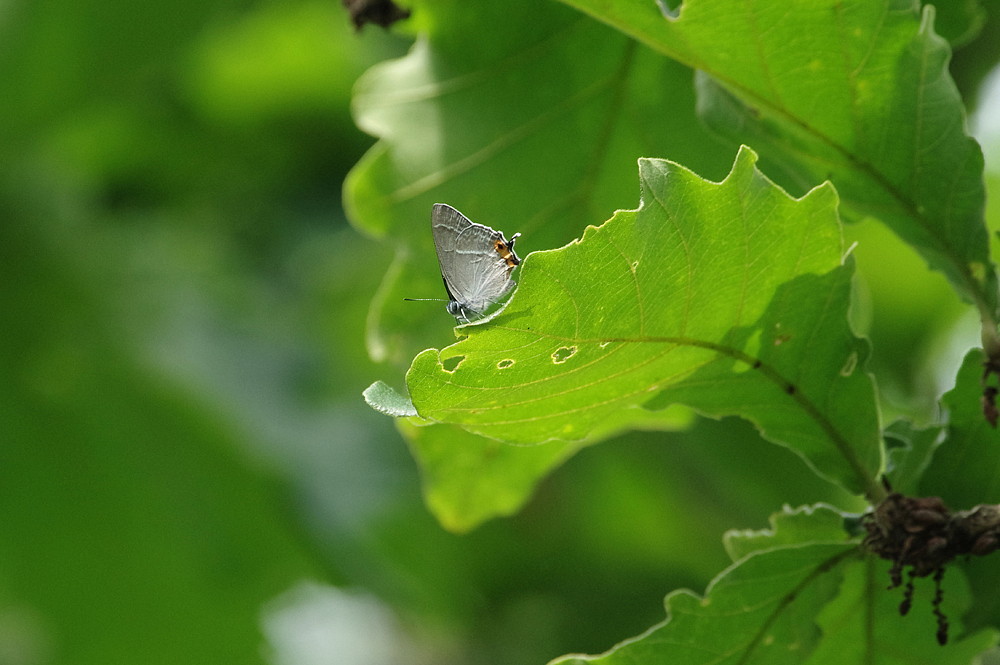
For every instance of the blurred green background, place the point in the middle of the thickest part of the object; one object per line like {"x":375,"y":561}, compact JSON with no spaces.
{"x":188,"y":473}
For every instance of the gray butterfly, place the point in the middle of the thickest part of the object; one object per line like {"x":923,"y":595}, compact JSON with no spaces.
{"x":476,"y":262}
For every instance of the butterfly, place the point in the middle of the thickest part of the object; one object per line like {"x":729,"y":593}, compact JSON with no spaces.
{"x":476,"y":262}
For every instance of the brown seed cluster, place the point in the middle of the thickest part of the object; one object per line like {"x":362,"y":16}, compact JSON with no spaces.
{"x":379,"y":12}
{"x":922,"y":535}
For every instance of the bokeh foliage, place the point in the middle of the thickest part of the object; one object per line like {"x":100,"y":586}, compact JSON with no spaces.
{"x":182,"y":346}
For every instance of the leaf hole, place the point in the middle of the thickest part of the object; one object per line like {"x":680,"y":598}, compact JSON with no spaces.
{"x":505,"y":363}
{"x":451,"y":364}
{"x":563,"y":353}
{"x":604,"y":344}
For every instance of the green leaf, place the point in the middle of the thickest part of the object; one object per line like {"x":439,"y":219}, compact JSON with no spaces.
{"x":862,"y":623}
{"x":960,"y":21}
{"x":965,"y":472}
{"x":383,"y":397}
{"x":455,"y":125}
{"x":522,"y":114}
{"x":468,"y":479}
{"x":965,"y":467}
{"x":728,"y":297}
{"x":792,"y":525}
{"x":762,"y":610}
{"x":800,"y":594}
{"x":856,"y":91}
{"x":908,"y":452}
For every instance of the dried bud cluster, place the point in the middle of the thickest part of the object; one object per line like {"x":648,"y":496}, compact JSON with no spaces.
{"x":910,"y":532}
{"x":922,"y":534}
{"x":989,"y":401}
{"x":991,"y":367}
{"x":379,"y":12}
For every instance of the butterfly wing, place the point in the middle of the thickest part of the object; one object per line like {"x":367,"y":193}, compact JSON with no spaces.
{"x":475,"y":260}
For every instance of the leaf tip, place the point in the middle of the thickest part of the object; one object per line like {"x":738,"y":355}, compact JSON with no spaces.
{"x":385,"y":399}
{"x":744,"y":166}
{"x":746,"y":158}
{"x":927,"y":18}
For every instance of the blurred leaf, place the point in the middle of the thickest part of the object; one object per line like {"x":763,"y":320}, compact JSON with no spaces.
{"x":857,"y":92}
{"x":468,"y":479}
{"x":282,"y":59}
{"x":525,"y":116}
{"x":910,"y":309}
{"x":965,"y":472}
{"x":973,"y":60}
{"x":965,"y":467}
{"x":959,"y":21}
{"x":131,"y":529}
{"x":730,"y":298}
{"x":909,"y":451}
{"x":136,"y":526}
{"x":799,"y":594}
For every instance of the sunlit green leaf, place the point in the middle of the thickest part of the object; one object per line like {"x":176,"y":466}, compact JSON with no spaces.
{"x":524,"y":115}
{"x":727,"y":297}
{"x":857,"y":92}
